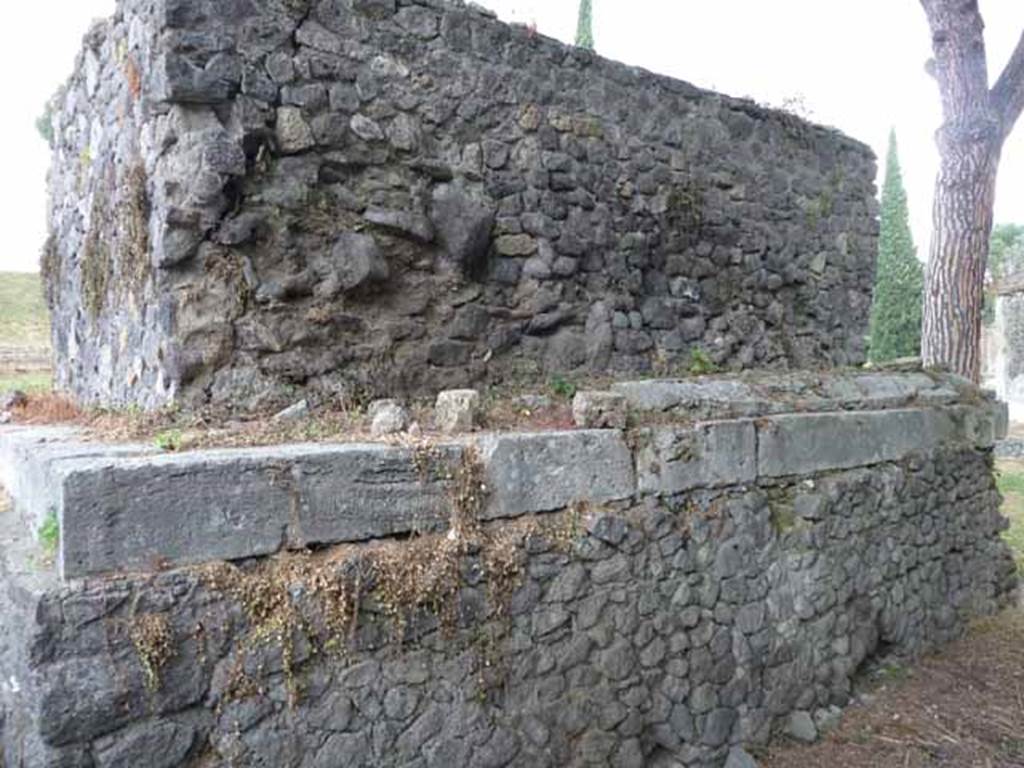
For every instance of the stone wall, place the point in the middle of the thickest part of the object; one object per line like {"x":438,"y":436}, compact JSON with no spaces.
{"x":713,"y":576}
{"x":387,"y":196}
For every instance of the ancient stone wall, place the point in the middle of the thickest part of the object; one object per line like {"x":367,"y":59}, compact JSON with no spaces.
{"x":388,"y":196}
{"x":712,"y":576}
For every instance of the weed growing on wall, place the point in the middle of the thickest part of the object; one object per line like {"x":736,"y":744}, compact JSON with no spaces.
{"x":152,"y":638}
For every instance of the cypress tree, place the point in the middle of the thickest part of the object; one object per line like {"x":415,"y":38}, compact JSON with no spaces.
{"x":899,"y":285}
{"x":584,"y":27}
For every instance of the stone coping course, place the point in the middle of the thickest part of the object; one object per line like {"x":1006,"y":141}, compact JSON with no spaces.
{"x":132,"y":508}
{"x":760,"y":394}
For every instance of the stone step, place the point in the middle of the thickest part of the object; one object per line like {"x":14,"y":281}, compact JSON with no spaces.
{"x":134,"y":508}
{"x":131,"y":508}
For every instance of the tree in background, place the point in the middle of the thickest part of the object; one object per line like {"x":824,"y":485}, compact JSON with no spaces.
{"x":976,"y":120}
{"x":899,"y":285}
{"x":585,"y":26}
{"x":1007,"y":252}
{"x":1006,"y":258}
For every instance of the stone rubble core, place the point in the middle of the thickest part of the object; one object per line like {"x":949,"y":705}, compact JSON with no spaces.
{"x":391,"y":198}
{"x":708,"y":577}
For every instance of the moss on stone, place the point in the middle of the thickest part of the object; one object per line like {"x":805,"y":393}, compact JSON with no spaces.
{"x":96,"y":259}
{"x":133,"y":213}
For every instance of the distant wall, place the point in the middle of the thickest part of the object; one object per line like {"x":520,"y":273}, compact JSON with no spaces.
{"x":349,"y":195}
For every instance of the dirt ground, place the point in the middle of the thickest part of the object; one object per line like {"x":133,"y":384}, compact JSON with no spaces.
{"x":961,"y":708}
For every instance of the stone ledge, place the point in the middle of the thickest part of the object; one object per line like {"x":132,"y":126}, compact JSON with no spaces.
{"x":120,"y":508}
{"x":759,"y":394}
{"x":676,"y":459}
{"x":144,"y":513}
{"x":131,"y":508}
{"x":542,"y":472}
{"x":29,"y":461}
{"x":794,"y":444}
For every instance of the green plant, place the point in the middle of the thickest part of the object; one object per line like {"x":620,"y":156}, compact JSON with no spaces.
{"x":701,"y":363}
{"x":169,"y":440}
{"x":562,"y":387}
{"x":49,"y":535}
{"x":585,"y":26}
{"x":899,"y":285}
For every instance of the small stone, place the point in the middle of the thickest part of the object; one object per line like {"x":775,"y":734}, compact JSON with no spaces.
{"x":366,"y":129}
{"x":515,"y":245}
{"x":718,"y":726}
{"x":599,"y":410}
{"x":456,"y":410}
{"x":388,"y":418}
{"x":356,"y":261}
{"x":801,"y":727}
{"x":826,"y":719}
{"x":294,"y":412}
{"x":414,"y":225}
{"x":293,"y":132}
{"x":738,"y":758}
{"x":530,"y":118}
{"x":608,"y":528}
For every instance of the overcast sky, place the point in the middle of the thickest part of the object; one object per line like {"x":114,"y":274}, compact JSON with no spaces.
{"x":858,"y":66}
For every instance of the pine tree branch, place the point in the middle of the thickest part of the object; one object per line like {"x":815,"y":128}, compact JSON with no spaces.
{"x":1008,"y":92}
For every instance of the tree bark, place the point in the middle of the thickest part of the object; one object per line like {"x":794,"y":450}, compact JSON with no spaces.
{"x":976,"y":122}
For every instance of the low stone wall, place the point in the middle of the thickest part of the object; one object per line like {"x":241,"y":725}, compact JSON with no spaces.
{"x":350,"y":196}
{"x":590,"y":597}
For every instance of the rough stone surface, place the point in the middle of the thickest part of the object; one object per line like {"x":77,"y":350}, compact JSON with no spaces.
{"x":801,"y":727}
{"x":762,"y":394}
{"x":599,"y":410}
{"x":552,"y":470}
{"x":796,"y":444}
{"x":636,"y":644}
{"x":131,"y":514}
{"x":674,"y":459}
{"x":457,"y":410}
{"x":382,"y":198}
{"x":387,"y":418}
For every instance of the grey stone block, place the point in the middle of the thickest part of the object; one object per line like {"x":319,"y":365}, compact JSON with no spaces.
{"x":30,"y":458}
{"x":794,"y":444}
{"x":599,"y":410}
{"x":725,"y":397}
{"x":457,"y":410}
{"x":547,"y":471}
{"x":675,"y":459}
{"x":135,"y":514}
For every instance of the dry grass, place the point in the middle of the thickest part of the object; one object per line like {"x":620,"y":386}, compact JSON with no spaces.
{"x":184,"y":431}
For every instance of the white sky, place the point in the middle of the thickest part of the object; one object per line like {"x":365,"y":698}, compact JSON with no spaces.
{"x":858,"y":66}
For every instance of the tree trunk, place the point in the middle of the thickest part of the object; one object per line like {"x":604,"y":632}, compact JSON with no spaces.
{"x":961,"y":231}
{"x":976,"y":122}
